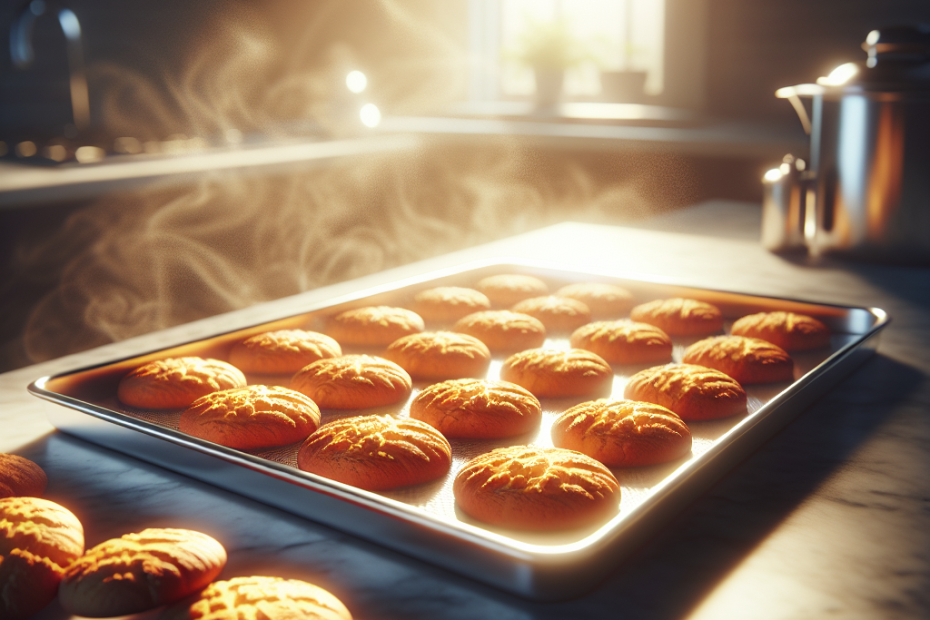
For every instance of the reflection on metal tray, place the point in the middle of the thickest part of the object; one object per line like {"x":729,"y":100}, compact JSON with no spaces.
{"x":422,"y":520}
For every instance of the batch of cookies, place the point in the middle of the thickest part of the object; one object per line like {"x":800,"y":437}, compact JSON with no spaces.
{"x":520,"y":486}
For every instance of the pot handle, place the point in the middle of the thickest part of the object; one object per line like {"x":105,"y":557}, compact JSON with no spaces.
{"x":793,"y":94}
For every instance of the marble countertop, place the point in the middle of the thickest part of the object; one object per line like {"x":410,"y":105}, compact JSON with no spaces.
{"x":831,"y":517}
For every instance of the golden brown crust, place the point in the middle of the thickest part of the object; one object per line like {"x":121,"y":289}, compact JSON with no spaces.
{"x":353,"y":382}
{"x":139,"y":572}
{"x":623,"y":433}
{"x":20,"y":477}
{"x":374,"y":325}
{"x":440,"y":355}
{"x":552,"y":373}
{"x":507,"y":289}
{"x":536,"y":489}
{"x":176,"y":382}
{"x":605,"y":301}
{"x":693,"y":392}
{"x":38,"y":540}
{"x":558,"y":314}
{"x":748,"y":360}
{"x":624,"y":342}
{"x":503,"y":331}
{"x":251,"y":417}
{"x":282,"y":352}
{"x":447,"y":304}
{"x":376,"y":452}
{"x":790,"y":331}
{"x":680,"y":317}
{"x":475,"y":408}
{"x":261,"y":598}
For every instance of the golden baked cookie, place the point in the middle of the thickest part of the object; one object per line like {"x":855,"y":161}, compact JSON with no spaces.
{"x":680,"y":317}
{"x":447,"y":304}
{"x":20,"y":477}
{"x":139,"y":572}
{"x":376,"y":453}
{"x":623,"y":433}
{"x":38,"y":540}
{"x":624,"y":342}
{"x":536,"y":489}
{"x":551,"y":373}
{"x":790,"y":331}
{"x":693,"y":392}
{"x":503,"y":331}
{"x":507,"y":289}
{"x":251,"y":417}
{"x":282,"y":352}
{"x":558,"y":314}
{"x":374,"y":325}
{"x":440,"y":355}
{"x":479,"y":409}
{"x":176,"y":382}
{"x":260,"y":598}
{"x":353,"y":382}
{"x":748,"y":360}
{"x":605,"y":301}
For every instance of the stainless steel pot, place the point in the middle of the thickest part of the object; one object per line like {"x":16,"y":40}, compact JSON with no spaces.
{"x":867,"y":194}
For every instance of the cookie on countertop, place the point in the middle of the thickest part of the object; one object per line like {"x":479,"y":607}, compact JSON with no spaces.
{"x":530,"y":488}
{"x":440,"y":355}
{"x":748,"y":360}
{"x":374,"y":325}
{"x":20,"y":477}
{"x":447,"y":304}
{"x":376,"y":453}
{"x":478,"y":409}
{"x":176,"y":382}
{"x":38,"y":540}
{"x":680,"y":317}
{"x":503,"y":331}
{"x":558,"y":314}
{"x":353,"y":382}
{"x":624,"y":342}
{"x":507,"y":289}
{"x":282,"y":352}
{"x":788,"y":330}
{"x":605,"y":301}
{"x":623,"y":433}
{"x":251,"y":417}
{"x":693,"y":392}
{"x":139,"y":572}
{"x":553,"y":373}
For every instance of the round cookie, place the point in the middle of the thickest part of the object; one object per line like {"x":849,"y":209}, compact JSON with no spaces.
{"x":477,"y":409}
{"x":624,"y":342}
{"x":552,"y":373}
{"x":536,"y":489}
{"x":176,"y":382}
{"x":680,"y":317}
{"x":748,"y":360}
{"x":353,"y":382}
{"x":139,"y":572}
{"x":440,"y":355}
{"x":623,"y":433}
{"x":38,"y":540}
{"x":447,"y":304}
{"x":20,"y":477}
{"x":693,"y":392}
{"x":507,"y":289}
{"x":376,"y":453}
{"x":605,"y":301}
{"x":282,"y":352}
{"x":790,"y":331}
{"x":260,"y":598}
{"x":503,"y":331}
{"x":558,"y":314}
{"x":251,"y":417}
{"x":374,"y":325}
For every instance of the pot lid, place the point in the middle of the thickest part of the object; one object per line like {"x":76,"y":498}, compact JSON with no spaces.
{"x":898,"y":59}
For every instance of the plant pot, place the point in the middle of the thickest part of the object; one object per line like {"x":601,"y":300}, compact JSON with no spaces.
{"x":548,"y":86}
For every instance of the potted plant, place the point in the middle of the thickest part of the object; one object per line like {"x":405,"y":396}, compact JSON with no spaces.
{"x":549,"y":48}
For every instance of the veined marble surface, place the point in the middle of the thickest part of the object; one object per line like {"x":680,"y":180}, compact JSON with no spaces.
{"x":830,"y":518}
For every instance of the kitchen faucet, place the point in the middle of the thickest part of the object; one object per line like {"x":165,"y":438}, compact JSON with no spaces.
{"x":22,"y":53}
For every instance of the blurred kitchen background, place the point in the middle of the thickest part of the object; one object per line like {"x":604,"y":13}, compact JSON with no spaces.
{"x":169,"y":161}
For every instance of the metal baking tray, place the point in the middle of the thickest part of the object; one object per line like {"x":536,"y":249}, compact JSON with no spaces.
{"x":422,"y":521}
